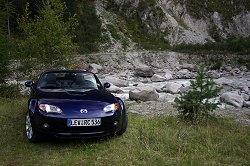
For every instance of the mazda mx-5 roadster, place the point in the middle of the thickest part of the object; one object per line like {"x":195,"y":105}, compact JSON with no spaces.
{"x":72,"y":104}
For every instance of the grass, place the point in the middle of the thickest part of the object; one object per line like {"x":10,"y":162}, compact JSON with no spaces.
{"x":148,"y":141}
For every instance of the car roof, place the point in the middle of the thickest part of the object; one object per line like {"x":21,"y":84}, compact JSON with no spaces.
{"x":66,"y":71}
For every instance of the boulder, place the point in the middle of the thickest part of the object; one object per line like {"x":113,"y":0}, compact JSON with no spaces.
{"x":172,"y":88}
{"x":246,"y":104}
{"x":116,"y":81}
{"x":114,"y":89}
{"x":243,"y":68}
{"x":213,"y":74}
{"x":143,"y":94}
{"x":158,"y":78}
{"x":189,"y":67}
{"x":144,"y":71}
{"x":228,"y":68}
{"x":232,"y":98}
{"x":244,"y":88}
{"x":168,"y":74}
{"x":235,"y":71}
{"x":223,"y":81}
{"x":245,"y":96}
{"x":95,"y":68}
{"x":184,"y":74}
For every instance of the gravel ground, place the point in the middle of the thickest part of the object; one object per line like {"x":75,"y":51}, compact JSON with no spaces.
{"x":156,"y":109}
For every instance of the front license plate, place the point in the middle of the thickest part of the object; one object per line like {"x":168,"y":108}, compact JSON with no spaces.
{"x":84,"y":122}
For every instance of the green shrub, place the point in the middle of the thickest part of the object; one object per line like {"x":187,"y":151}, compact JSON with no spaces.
{"x":10,"y":91}
{"x":195,"y":102}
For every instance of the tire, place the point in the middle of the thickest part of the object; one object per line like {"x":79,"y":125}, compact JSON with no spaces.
{"x":30,"y":131}
{"x":124,"y":125}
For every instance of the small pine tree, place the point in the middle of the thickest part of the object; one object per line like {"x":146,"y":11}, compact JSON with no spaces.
{"x":195,"y":102}
{"x":46,"y":36}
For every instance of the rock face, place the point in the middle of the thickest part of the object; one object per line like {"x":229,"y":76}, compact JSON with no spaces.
{"x":144,"y":71}
{"x":232,"y":98}
{"x":143,"y":94}
{"x":185,"y":21}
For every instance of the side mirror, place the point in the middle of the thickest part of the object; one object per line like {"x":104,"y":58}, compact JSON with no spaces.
{"x":106,"y":85}
{"x":29,"y":84}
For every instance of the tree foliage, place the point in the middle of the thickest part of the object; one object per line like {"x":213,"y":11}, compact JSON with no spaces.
{"x":88,"y":31}
{"x":195,"y":102}
{"x":4,"y":43}
{"x":46,"y":36}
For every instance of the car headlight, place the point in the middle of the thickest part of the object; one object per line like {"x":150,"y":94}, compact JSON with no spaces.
{"x":111,"y":107}
{"x":50,"y":108}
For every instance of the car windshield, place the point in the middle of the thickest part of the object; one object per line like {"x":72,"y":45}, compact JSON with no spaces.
{"x":68,"y":80}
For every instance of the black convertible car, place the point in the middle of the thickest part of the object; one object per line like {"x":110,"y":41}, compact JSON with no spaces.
{"x":72,"y":104}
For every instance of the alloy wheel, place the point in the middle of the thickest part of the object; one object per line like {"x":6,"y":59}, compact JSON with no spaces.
{"x":29,"y":131}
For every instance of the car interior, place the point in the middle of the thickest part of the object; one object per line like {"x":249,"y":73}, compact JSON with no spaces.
{"x":67,"y":81}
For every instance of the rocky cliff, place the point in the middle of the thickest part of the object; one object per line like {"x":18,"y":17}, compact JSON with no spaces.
{"x":130,"y":23}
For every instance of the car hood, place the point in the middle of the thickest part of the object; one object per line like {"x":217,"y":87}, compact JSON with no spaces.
{"x":91,"y":95}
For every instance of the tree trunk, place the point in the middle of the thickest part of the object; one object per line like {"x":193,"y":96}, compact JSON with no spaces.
{"x":8,"y":27}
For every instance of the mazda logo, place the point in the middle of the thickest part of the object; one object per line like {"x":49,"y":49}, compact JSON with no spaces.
{"x":83,"y":111}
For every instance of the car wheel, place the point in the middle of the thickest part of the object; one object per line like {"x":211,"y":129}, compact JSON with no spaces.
{"x":30,"y":132}
{"x":124,"y":125}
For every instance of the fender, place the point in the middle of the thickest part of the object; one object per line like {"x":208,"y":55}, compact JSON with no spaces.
{"x":32,"y":105}
{"x":121,"y":103}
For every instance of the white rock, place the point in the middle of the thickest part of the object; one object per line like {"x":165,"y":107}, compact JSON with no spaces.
{"x":116,"y":81}
{"x":213,"y":74}
{"x":144,"y":94}
{"x":158,"y":78}
{"x":114,"y":89}
{"x":245,"y":96}
{"x":184,"y":73}
{"x":228,"y":68}
{"x":189,"y":67}
{"x":172,"y":88}
{"x":232,"y":98}
{"x":123,"y":96}
{"x":223,"y":81}
{"x":95,"y":68}
{"x":166,"y":97}
{"x":235,"y":71}
{"x":168,"y":76}
{"x":144,"y":71}
{"x":246,"y":104}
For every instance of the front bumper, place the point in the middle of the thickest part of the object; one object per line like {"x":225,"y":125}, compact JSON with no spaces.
{"x":58,"y":127}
